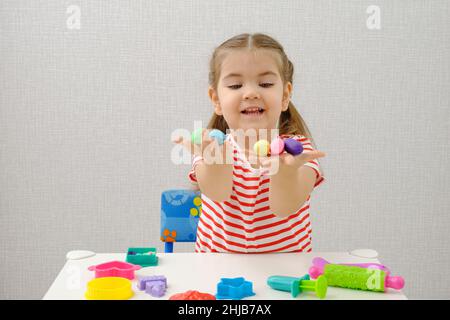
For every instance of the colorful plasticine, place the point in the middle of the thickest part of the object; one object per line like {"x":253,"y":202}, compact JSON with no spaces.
{"x":153,"y":285}
{"x":197,"y":136}
{"x":192,"y":295}
{"x":293,"y":147}
{"x":156,"y":289}
{"x":144,"y":281}
{"x":263,"y":148}
{"x":277,"y":146}
{"x":217,"y":135}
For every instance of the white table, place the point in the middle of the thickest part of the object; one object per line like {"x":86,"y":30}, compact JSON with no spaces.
{"x":202,"y":272}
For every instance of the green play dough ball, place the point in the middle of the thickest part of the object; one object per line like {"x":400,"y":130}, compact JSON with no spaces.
{"x":196,"y":136}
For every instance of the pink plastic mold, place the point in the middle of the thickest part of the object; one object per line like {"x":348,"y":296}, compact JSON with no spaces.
{"x":115,"y":269}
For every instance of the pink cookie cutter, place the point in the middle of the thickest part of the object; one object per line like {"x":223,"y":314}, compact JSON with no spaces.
{"x":115,"y":269}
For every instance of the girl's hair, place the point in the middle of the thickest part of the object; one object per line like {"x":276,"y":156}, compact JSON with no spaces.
{"x":290,"y":121}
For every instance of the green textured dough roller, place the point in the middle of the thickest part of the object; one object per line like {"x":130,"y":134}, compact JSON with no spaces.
{"x":297,"y":285}
{"x":355,"y":277}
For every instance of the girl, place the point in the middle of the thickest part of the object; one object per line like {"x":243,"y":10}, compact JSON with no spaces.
{"x":244,"y":210}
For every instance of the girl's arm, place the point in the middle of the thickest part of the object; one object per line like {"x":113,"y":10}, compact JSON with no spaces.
{"x":290,"y":190}
{"x":214,"y":176}
{"x":291,"y":182}
{"x":215,"y":180}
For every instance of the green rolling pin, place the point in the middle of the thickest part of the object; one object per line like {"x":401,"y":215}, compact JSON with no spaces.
{"x":297,"y":285}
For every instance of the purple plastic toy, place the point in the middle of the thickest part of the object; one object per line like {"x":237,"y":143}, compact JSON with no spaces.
{"x":319,"y":264}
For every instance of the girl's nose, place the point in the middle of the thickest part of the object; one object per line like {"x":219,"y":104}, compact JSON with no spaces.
{"x":251,"y":93}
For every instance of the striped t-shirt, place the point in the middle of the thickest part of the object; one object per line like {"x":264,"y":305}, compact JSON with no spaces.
{"x":245,"y":223}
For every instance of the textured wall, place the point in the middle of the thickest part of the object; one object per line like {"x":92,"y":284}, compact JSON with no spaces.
{"x":86,"y":116}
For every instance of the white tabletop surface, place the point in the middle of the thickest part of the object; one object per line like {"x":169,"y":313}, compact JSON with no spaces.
{"x":202,"y":272}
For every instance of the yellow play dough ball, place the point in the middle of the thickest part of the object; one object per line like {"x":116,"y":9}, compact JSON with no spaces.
{"x":262,"y":148}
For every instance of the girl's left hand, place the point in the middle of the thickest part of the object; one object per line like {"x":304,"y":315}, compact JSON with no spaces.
{"x":286,"y":163}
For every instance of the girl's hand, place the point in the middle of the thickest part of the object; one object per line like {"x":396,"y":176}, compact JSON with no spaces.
{"x":287,"y":163}
{"x":209,"y":149}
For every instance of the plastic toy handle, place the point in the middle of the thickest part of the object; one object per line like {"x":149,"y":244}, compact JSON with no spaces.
{"x":137,"y":267}
{"x":319,"y":286}
{"x":395,"y":282}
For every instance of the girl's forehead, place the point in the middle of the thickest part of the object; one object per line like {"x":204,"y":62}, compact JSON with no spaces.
{"x":249,"y":62}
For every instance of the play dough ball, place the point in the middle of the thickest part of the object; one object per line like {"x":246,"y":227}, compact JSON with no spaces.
{"x":218,"y":135}
{"x":261,"y":148}
{"x":293,"y":147}
{"x":196,"y":136}
{"x":277,"y":146}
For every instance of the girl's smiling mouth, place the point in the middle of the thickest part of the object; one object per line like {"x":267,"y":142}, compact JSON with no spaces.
{"x":253,"y":111}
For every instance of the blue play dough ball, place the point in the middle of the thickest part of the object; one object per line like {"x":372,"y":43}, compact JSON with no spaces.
{"x":293,"y":147}
{"x":218,"y":135}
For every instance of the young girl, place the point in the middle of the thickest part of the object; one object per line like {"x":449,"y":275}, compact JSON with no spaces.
{"x":244,"y":210}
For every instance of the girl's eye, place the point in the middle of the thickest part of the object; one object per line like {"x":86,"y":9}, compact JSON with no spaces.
{"x":237,"y":86}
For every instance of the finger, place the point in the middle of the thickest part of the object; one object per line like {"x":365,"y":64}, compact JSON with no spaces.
{"x":311,"y":155}
{"x":177,"y":139}
{"x":186,"y":143}
{"x":288,"y":159}
{"x":271,"y":165}
{"x":266,"y":162}
{"x":206,"y":138}
{"x":306,"y":157}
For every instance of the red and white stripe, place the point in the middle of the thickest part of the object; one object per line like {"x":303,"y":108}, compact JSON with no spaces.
{"x":245,"y":223}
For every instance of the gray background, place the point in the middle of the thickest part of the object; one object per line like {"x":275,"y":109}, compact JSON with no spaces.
{"x":86,"y":116}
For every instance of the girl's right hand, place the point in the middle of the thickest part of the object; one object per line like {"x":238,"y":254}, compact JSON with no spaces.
{"x":209,"y":149}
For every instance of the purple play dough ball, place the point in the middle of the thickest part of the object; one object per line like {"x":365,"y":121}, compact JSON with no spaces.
{"x":293,"y":147}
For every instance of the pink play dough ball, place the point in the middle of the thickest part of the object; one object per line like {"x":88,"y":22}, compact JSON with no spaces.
{"x":277,"y":146}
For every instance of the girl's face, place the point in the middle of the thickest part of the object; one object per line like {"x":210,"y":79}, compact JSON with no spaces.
{"x":250,"y":92}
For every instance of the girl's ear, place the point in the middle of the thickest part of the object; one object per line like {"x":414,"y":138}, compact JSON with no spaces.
{"x":215,"y":100}
{"x":286,"y":96}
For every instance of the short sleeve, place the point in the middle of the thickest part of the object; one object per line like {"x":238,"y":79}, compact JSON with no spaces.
{"x":191,"y":175}
{"x":314,"y":164}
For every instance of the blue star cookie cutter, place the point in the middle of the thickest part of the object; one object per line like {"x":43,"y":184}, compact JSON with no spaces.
{"x":234,"y":288}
